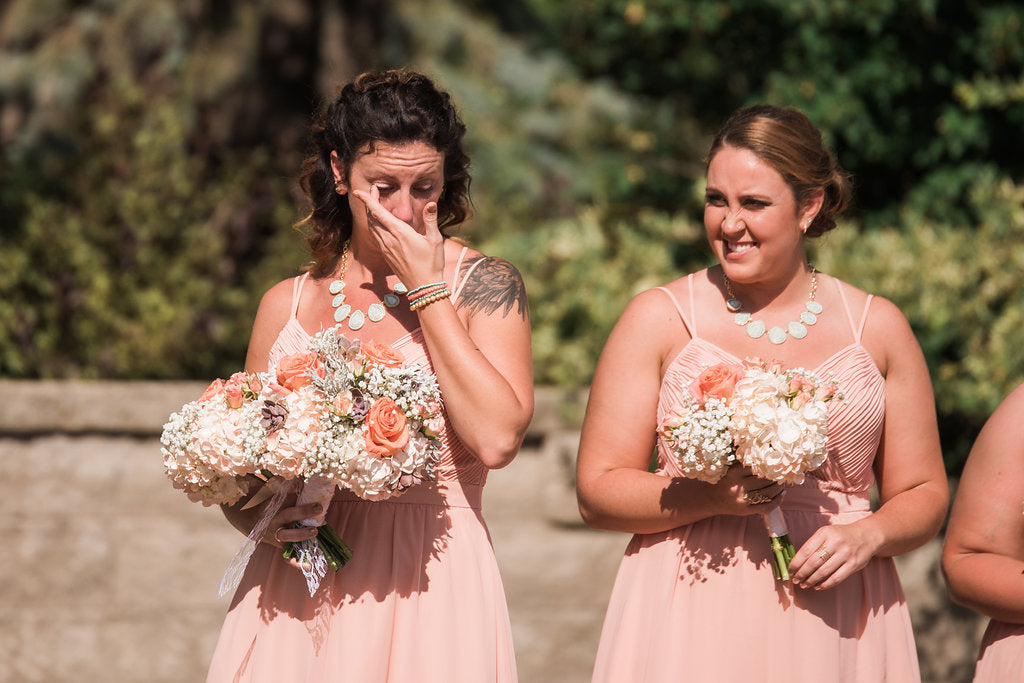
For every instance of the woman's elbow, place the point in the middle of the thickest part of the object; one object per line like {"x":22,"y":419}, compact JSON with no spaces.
{"x":498,"y":452}
{"x":592,"y":513}
{"x":590,"y":516}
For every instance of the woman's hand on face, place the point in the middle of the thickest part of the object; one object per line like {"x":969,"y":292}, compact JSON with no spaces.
{"x":831,"y":555}
{"x":747,"y":494}
{"x":416,"y":258}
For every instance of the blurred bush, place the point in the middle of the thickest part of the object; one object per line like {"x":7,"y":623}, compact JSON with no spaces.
{"x":149,"y":150}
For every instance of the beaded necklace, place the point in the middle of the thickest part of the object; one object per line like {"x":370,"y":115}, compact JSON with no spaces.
{"x":375,"y":312}
{"x":776,"y":335}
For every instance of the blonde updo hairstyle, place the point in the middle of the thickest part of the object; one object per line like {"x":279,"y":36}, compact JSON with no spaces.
{"x":785,"y":139}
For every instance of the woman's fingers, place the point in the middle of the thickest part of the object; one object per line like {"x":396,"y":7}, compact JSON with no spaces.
{"x":830,"y":556}
{"x":433,"y":233}
{"x":283,"y":527}
{"x":416,"y":258}
{"x":378,"y":217}
{"x":764,"y":496}
{"x":819,"y":568}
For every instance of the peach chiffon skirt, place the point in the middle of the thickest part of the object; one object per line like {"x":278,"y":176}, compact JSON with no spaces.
{"x":1002,"y":654}
{"x":421,"y":600}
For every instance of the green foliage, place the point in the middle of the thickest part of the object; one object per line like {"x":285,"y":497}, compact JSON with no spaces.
{"x":962,"y":292}
{"x":904,"y":90}
{"x":129,"y":249}
{"x":149,"y":149}
{"x":582,"y":272}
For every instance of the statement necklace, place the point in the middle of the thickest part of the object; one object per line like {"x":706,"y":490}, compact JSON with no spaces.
{"x":356,"y":318}
{"x":776,"y":335}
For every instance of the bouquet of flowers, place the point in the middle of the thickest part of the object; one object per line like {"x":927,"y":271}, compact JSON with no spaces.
{"x":344,"y":413}
{"x":771,"y":420}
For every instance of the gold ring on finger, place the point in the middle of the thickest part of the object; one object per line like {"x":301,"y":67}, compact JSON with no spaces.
{"x":824,"y":554}
{"x":756,"y":498}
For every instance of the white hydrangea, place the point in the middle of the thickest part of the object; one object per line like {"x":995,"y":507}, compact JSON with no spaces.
{"x":774,"y":422}
{"x":776,"y":440}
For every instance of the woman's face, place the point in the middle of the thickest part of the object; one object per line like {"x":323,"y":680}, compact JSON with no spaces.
{"x":751,"y":218}
{"x":408,"y":176}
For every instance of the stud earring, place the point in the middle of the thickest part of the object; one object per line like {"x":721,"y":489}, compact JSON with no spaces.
{"x":339,"y":187}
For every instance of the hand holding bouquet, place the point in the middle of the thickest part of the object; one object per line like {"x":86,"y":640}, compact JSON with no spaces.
{"x":341,"y":414}
{"x":771,"y":420}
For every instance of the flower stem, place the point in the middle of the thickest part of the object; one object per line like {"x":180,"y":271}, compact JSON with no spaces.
{"x":782,"y":552}
{"x":335,"y":550}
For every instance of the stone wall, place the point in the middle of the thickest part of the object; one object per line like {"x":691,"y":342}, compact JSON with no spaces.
{"x":111,"y":575}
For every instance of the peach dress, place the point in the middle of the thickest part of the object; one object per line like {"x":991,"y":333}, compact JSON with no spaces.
{"x":1002,"y":654}
{"x":420,"y":600}
{"x":700,"y":603}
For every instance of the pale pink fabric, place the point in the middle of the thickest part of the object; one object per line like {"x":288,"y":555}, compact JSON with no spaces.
{"x":420,"y":601}
{"x":700,"y":603}
{"x":1001,"y":658}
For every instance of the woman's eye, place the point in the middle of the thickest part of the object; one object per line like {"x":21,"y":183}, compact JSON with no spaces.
{"x":714,"y":200}
{"x":384,"y":189}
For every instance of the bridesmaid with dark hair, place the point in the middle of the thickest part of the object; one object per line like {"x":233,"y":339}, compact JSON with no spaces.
{"x":421,"y":598}
{"x":983,"y":557}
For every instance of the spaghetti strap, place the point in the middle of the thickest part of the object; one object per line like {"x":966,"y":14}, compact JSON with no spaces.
{"x":297,"y":293}
{"x":679,"y":310}
{"x":849,"y":315}
{"x":462,"y":283}
{"x":864,"y":318}
{"x":856,"y":330}
{"x":693,"y":308}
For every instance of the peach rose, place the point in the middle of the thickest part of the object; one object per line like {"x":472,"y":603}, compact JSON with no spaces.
{"x":801,"y":399}
{"x":297,"y":370}
{"x":342,"y":404}
{"x":717,"y":381}
{"x":216,"y":386}
{"x":382,"y":354}
{"x":233,"y":393}
{"x":386,"y":428}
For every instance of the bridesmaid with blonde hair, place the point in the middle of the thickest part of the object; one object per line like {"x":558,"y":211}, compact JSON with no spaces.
{"x":696,"y":597}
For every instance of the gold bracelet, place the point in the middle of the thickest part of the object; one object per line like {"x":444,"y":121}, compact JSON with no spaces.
{"x":429,"y":299}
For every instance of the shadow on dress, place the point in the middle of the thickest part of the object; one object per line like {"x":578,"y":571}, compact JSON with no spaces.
{"x":710,"y":550}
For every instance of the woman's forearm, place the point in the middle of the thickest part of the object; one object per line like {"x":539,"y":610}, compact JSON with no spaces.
{"x":487,"y":413}
{"x":990,"y":583}
{"x":909,"y":519}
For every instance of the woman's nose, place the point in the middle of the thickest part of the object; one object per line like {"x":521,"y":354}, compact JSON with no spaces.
{"x":401,"y":206}
{"x":732,"y":221}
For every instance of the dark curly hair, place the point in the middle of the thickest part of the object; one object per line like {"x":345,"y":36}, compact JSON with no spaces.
{"x":393,"y":107}
{"x":789,"y":142}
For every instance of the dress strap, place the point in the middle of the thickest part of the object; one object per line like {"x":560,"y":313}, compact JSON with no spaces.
{"x":864,"y":318}
{"x":297,"y":293}
{"x":856,"y":330}
{"x":462,"y":283}
{"x":679,"y":309}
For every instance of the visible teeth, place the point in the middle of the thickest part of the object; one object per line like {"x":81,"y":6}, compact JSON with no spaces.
{"x":740,"y":247}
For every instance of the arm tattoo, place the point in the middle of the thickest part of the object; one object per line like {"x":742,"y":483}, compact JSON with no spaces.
{"x":494,"y":283}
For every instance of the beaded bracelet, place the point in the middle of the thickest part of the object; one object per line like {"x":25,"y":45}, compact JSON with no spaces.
{"x":422,"y":287}
{"x":429,"y":289}
{"x":428,"y":299}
